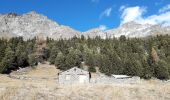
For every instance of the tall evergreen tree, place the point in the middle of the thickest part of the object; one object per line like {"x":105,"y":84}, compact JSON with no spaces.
{"x":60,"y":61}
{"x":32,"y":60}
{"x":9,"y":61}
{"x":21,"y":55}
{"x":161,"y":70}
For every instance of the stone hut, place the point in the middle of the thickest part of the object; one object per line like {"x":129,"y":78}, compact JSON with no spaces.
{"x":74,"y":76}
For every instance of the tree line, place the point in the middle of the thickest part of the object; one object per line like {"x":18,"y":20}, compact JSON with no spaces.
{"x":15,"y":53}
{"x":145,"y":57}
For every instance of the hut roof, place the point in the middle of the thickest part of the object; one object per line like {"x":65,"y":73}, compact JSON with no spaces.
{"x":74,"y":70}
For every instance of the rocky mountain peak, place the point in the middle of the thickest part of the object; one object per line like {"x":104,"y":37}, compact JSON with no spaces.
{"x":134,"y":29}
{"x":95,"y":32}
{"x":12,"y":15}
{"x":32,"y":24}
{"x":32,"y":13}
{"x":131,"y":24}
{"x":130,"y":29}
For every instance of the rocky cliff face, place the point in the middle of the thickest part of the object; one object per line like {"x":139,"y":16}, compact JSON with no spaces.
{"x":132,"y":29}
{"x":95,"y":32}
{"x":32,"y":24}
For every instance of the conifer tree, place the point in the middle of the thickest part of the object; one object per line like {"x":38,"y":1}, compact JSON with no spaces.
{"x":2,"y":49}
{"x":60,"y":61}
{"x":21,"y":55}
{"x":53,"y":54}
{"x":9,"y":61}
{"x":32,"y":60}
{"x":161,"y":70}
{"x":73,"y":58}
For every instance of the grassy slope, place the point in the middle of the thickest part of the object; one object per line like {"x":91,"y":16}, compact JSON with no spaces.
{"x":48,"y":89}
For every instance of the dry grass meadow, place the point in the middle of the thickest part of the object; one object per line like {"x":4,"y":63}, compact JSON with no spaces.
{"x":48,"y":89}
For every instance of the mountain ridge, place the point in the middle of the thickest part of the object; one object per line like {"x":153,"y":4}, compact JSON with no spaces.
{"x":32,"y":24}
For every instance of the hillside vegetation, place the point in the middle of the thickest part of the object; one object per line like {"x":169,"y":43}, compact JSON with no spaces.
{"x":144,"y":57}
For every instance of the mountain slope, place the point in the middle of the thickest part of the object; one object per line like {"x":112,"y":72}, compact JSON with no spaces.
{"x":131,"y":29}
{"x":32,"y":24}
{"x":95,"y":32}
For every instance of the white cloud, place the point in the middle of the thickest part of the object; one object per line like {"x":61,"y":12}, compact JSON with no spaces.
{"x":163,"y":19}
{"x":106,"y":12}
{"x":132,"y":13}
{"x":164,"y":9}
{"x":102,"y":27}
{"x":136,"y":14}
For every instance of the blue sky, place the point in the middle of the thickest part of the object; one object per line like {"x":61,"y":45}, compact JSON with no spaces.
{"x":83,"y":15}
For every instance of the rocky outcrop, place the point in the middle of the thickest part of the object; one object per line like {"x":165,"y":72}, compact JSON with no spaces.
{"x":95,"y":32}
{"x":31,"y":25}
{"x":131,"y":30}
